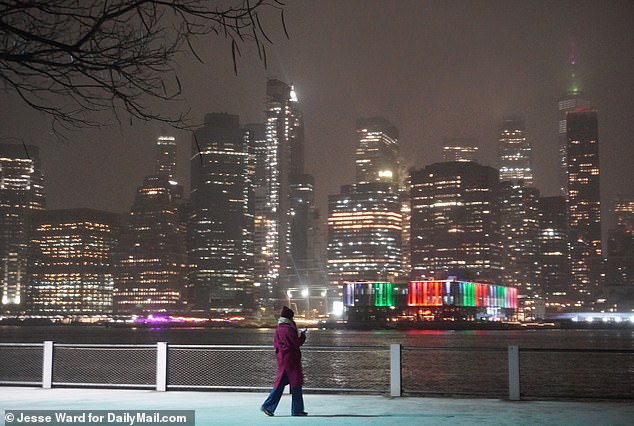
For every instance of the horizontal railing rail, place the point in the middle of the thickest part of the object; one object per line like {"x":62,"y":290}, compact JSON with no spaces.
{"x":513,"y":373}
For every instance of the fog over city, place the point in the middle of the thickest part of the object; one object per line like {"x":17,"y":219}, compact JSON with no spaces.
{"x":434,"y":69}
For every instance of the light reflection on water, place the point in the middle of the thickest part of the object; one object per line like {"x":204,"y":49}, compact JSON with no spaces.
{"x":543,"y":338}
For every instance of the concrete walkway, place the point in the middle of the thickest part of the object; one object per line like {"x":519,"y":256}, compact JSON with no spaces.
{"x":242,"y":408}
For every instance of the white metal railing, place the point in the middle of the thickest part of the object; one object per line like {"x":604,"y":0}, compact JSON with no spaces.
{"x":164,"y":365}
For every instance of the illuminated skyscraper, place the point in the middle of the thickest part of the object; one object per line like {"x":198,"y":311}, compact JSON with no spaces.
{"x":306,"y":264}
{"x":21,"y":194}
{"x":364,"y":233}
{"x":220,"y":227}
{"x":623,"y":208}
{"x":455,"y":222}
{"x":514,"y":153}
{"x":619,"y":283}
{"x":584,"y":203}
{"x":151,"y":263}
{"x":571,"y":99}
{"x":284,"y":159}
{"x":519,"y":230}
{"x":519,"y":214}
{"x":71,"y":270}
{"x":166,"y":156}
{"x":262,"y":217}
{"x":553,"y":249}
{"x":459,"y":149}
{"x":377,"y":153}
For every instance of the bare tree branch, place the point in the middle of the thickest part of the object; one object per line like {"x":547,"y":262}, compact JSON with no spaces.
{"x":72,"y":58}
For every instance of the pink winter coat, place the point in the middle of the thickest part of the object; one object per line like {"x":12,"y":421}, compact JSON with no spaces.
{"x":289,"y":357}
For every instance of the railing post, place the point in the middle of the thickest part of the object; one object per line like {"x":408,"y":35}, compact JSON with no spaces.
{"x":161,"y":366}
{"x":47,"y":365}
{"x":514,"y":373}
{"x":395,"y":369}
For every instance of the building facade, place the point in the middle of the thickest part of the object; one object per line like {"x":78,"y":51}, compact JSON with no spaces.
{"x":166,"y":156}
{"x":70,"y":263}
{"x":364,"y":233}
{"x":515,"y":152}
{"x":455,"y":222}
{"x":413,"y":303}
{"x":460,"y":149}
{"x":619,"y":283}
{"x":553,"y":251}
{"x":21,"y":195}
{"x":284,"y":160}
{"x":151,"y":262}
{"x":569,"y":101}
{"x":519,"y":231}
{"x":584,"y":204}
{"x":377,"y":152}
{"x":220,"y":220}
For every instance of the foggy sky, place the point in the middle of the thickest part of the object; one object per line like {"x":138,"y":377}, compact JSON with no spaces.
{"x":435,"y":69}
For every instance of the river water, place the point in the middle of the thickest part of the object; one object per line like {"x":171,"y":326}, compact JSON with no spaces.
{"x":540,"y":338}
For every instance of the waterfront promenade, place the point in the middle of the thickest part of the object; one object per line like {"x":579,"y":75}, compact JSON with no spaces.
{"x":242,"y":408}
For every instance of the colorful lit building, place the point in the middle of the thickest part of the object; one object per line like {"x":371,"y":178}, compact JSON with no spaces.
{"x":429,"y":301}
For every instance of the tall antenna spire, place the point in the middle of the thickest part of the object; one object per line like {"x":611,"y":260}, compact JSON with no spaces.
{"x":573,"y":81}
{"x":573,"y":52}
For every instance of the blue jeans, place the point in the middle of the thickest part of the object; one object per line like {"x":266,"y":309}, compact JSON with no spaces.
{"x":297,"y":404}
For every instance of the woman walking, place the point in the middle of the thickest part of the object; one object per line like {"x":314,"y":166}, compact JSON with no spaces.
{"x":289,"y":365}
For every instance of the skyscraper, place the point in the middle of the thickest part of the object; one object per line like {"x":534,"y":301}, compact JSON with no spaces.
{"x":570,"y":100}
{"x":623,"y":208}
{"x":519,"y":231}
{"x":519,"y":214}
{"x":166,"y":156}
{"x":306,"y":265}
{"x":364,"y":233}
{"x":553,"y":249}
{"x":220,"y":224}
{"x":71,"y":268}
{"x":459,"y":149}
{"x":514,"y":152}
{"x":284,"y":160}
{"x":377,"y":152}
{"x":619,"y":283}
{"x":265,"y":265}
{"x":455,"y":222}
{"x":150,"y":261}
{"x":584,"y":203}
{"x":21,"y":194}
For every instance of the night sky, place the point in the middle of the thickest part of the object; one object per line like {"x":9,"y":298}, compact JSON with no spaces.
{"x":435,"y":69}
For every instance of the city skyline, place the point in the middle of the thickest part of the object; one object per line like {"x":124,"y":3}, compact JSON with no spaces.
{"x":412,"y":68}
